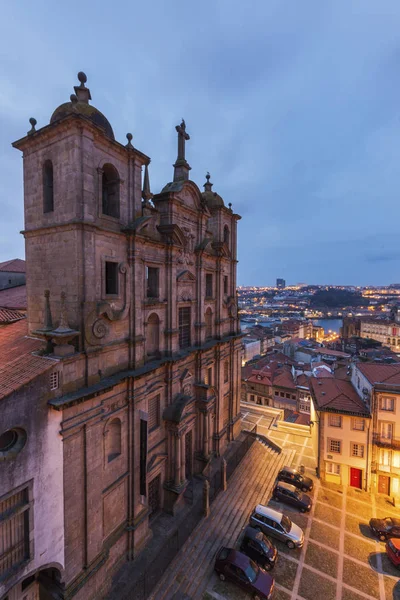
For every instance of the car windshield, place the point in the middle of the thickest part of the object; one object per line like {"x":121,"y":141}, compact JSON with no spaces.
{"x":298,"y":477}
{"x":252,"y":571}
{"x":286,"y":523}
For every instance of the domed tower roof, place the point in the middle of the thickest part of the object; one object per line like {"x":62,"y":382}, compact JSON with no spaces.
{"x":79,"y":104}
{"x":212,"y":199}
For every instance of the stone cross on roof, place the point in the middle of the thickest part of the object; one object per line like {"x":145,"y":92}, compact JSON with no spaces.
{"x":182,"y":168}
{"x":182,"y":137}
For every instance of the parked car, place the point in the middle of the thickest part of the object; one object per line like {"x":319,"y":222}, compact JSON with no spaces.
{"x":385,"y":528}
{"x":258,"y":547}
{"x":274,"y":523}
{"x":393,"y":551}
{"x":237,"y":567}
{"x":289,"y":475}
{"x":285,"y":492}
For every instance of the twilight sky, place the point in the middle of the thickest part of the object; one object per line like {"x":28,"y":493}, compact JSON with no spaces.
{"x":294,"y":108}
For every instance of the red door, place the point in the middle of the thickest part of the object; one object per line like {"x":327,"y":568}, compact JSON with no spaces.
{"x":355,"y":477}
{"x":383,"y":484}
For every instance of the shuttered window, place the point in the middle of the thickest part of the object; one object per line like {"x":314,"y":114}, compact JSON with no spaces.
{"x":14,"y":531}
{"x":154,"y":413}
{"x":184,"y":327}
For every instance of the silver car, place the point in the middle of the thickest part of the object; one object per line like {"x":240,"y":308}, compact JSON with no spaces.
{"x":273,"y":523}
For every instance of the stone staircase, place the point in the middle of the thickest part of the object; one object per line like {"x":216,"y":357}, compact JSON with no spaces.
{"x":190,"y":572}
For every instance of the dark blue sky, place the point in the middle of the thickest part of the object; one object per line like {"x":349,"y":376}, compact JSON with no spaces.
{"x":294,"y":108}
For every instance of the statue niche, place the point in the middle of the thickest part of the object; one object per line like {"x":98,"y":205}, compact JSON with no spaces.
{"x":186,"y":286}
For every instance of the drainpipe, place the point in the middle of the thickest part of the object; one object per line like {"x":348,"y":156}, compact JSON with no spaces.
{"x":368,"y":453}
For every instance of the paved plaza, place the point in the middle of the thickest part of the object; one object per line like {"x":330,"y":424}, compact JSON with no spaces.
{"x":339,"y":561}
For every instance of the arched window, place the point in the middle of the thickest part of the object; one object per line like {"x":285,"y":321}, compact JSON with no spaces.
{"x":110,"y":191}
{"x":226,"y":235}
{"x":113,"y":439}
{"x":153,"y":335}
{"x":208,"y":320}
{"x":48,"y":193}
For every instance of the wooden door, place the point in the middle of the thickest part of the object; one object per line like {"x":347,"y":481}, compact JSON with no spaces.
{"x":356,"y":478}
{"x":384,"y":484}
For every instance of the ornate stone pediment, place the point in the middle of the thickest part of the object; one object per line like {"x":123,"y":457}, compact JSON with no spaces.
{"x":221,"y":249}
{"x":180,"y":410}
{"x":186,"y":380}
{"x":172,"y":234}
{"x":185,"y":277}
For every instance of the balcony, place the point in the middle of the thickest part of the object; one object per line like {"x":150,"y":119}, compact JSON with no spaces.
{"x":386,"y":442}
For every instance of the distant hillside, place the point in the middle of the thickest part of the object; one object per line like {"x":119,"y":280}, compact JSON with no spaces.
{"x":333,"y":298}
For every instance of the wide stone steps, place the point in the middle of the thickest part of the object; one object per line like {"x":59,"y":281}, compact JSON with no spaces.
{"x":252,"y":482}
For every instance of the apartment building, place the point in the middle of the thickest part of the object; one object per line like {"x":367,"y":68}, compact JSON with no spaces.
{"x":341,"y":432}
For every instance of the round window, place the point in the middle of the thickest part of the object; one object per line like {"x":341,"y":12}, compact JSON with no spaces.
{"x":11,"y":442}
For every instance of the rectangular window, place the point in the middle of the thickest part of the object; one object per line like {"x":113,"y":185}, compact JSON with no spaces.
{"x":184,"y":327}
{"x":335,"y":420}
{"x":282,"y":395}
{"x":226,"y":371}
{"x":335,"y":446}
{"x":332,"y":468}
{"x":14,"y":531}
{"x":386,"y":430}
{"x":152,"y":284}
{"x":154,"y":413}
{"x":287,"y":395}
{"x":251,"y":398}
{"x":111,"y":278}
{"x":209,"y":285}
{"x":225,"y":284}
{"x":54,"y":380}
{"x":358,"y":424}
{"x":357,"y":450}
{"x":386,"y":404}
{"x":208,"y":378}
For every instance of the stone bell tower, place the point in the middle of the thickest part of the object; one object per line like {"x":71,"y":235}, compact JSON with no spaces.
{"x":81,"y":189}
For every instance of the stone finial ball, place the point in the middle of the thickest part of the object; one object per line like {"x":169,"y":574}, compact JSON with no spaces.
{"x":73,"y":98}
{"x":82,"y":77}
{"x":129,"y":137}
{"x":32,"y":121}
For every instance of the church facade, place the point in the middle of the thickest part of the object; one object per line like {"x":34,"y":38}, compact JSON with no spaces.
{"x":134,"y":298}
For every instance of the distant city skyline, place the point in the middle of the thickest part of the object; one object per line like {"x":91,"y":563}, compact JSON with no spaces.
{"x":294,"y":110}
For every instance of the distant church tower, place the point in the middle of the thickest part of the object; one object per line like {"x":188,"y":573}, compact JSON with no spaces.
{"x":136,"y":295}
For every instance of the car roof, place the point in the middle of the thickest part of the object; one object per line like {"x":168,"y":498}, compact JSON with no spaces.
{"x":265,"y":511}
{"x":251,"y":532}
{"x":290,"y":470}
{"x":286,"y":486}
{"x":238,"y":558}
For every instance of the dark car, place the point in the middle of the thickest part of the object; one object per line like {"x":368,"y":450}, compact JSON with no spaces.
{"x":289,"y":475}
{"x":291,"y":495}
{"x":237,"y":567}
{"x":258,"y":547}
{"x":385,"y":528}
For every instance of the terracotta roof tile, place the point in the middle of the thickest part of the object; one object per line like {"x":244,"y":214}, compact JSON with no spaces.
{"x":16,"y":265}
{"x":13,"y":298}
{"x":18,"y":366}
{"x":387,"y":374}
{"x":338,"y":395}
{"x":9,"y":316}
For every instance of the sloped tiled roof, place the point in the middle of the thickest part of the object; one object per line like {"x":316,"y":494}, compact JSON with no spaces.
{"x":9,"y":316}
{"x":16,"y":265}
{"x":18,"y":366}
{"x":337,"y":395}
{"x":13,"y":298}
{"x":387,"y":374}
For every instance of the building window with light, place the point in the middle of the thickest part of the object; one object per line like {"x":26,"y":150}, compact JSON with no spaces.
{"x":332,"y":468}
{"x":358,"y":424}
{"x":335,"y":446}
{"x":335,"y":420}
{"x":386,"y":404}
{"x":357,"y":450}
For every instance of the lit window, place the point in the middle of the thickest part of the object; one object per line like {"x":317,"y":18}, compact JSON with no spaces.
{"x":335,"y":446}
{"x":54,"y":380}
{"x":357,"y":450}
{"x":335,"y":420}
{"x":386,"y":404}
{"x":359,"y":424}
{"x":332,"y":468}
